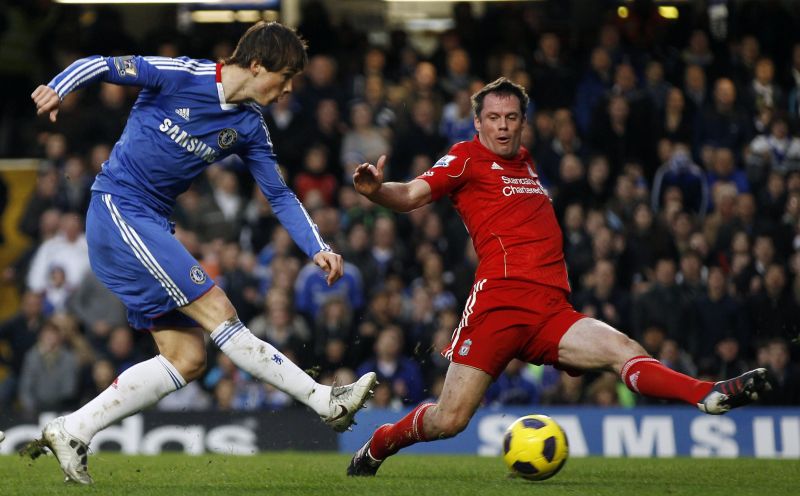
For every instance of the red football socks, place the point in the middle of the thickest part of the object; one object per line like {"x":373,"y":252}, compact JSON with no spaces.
{"x":649,"y":377}
{"x":388,"y":439}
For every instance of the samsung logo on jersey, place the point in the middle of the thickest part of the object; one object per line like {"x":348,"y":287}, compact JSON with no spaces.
{"x":187,"y":141}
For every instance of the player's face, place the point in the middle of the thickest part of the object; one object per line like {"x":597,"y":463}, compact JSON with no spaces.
{"x":269,"y":86}
{"x":500,"y":124}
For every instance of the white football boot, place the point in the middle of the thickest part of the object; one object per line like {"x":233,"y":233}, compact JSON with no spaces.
{"x":346,"y":401}
{"x":70,"y":452}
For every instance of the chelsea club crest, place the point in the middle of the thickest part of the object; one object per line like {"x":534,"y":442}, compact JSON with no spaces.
{"x":227,"y":137}
{"x":197,"y":275}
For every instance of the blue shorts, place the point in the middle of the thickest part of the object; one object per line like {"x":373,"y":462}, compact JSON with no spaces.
{"x":133,"y":252}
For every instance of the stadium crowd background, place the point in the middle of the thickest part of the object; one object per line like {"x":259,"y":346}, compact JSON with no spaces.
{"x":669,"y":148}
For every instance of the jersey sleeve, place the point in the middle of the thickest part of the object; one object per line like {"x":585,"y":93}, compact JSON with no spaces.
{"x":448,"y":173}
{"x":130,"y":70}
{"x":263,"y":165}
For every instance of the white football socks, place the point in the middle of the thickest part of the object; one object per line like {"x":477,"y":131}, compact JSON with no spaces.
{"x":135,"y":389}
{"x":263,"y":361}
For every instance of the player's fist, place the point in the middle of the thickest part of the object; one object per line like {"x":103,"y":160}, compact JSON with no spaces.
{"x":368,"y":178}
{"x":46,"y":100}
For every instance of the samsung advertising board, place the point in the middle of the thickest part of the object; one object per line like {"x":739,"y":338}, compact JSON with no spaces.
{"x":639,"y":432}
{"x":617,"y":432}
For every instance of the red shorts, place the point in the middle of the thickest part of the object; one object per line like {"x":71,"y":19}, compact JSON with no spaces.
{"x":505,"y":319}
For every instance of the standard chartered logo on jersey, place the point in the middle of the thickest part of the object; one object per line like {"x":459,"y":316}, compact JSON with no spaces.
{"x":522,"y":186}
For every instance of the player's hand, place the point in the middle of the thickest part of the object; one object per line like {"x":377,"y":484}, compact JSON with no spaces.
{"x":368,"y":178}
{"x":331,"y":263}
{"x":47,"y":101}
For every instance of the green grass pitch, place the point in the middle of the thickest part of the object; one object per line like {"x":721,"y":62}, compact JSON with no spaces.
{"x":324,"y":475}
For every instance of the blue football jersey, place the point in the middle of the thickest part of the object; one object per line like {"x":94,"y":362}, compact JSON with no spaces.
{"x":179,"y":125}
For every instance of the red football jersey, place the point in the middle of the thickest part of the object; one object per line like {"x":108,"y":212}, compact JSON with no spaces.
{"x":506,"y":210}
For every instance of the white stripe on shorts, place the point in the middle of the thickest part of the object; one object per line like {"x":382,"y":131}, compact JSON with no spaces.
{"x":468,"y":309}
{"x":132,"y":239}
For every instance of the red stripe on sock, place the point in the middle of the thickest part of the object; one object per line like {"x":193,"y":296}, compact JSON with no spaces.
{"x":389,"y":439}
{"x":649,"y":377}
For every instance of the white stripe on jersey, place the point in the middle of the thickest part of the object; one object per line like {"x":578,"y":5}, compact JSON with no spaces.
{"x":141,"y":252}
{"x":193,"y":64}
{"x":322,"y":244}
{"x":76,"y":73}
{"x":88,"y":76}
{"x":168,"y":60}
{"x":468,"y":309}
{"x":190,"y":71}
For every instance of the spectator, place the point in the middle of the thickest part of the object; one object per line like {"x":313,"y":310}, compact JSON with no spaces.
{"x":681,"y":172}
{"x":726,"y":359}
{"x":67,"y":250}
{"x":602,"y":299}
{"x":695,"y":89}
{"x":786,"y":374}
{"x":457,"y":75}
{"x":49,"y":376}
{"x":43,"y":198}
{"x":565,"y":142}
{"x":312,"y":291}
{"x":715,"y":316}
{"x":771,"y":310}
{"x":97,"y":309}
{"x":19,"y":334}
{"x":763,"y":93}
{"x":555,"y":83}
{"x":364,"y":142}
{"x":280,"y":326}
{"x":515,"y":386}
{"x":723,"y":168}
{"x":457,"y":124}
{"x":657,"y":306}
{"x":327,"y":129}
{"x":121,"y":349}
{"x":593,"y":87}
{"x":577,"y":243}
{"x":722,"y":124}
{"x":776,"y":151}
{"x":421,"y":138}
{"x":616,"y":135}
{"x":401,"y":373}
{"x":675,"y":120}
{"x":656,"y":88}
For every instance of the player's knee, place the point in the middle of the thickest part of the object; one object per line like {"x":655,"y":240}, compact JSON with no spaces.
{"x":190,"y":365}
{"x":452,"y":423}
{"x":627,"y":349}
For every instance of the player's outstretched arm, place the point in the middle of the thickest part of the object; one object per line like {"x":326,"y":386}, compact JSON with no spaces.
{"x":47,"y":101}
{"x":400,"y":197}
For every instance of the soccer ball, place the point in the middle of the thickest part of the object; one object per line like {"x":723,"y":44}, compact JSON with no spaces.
{"x":535,"y":447}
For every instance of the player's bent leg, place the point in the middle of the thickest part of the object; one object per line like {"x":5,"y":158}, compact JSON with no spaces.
{"x":337,"y":406}
{"x":592,"y":344}
{"x":463,"y":391}
{"x":185,"y":349}
{"x":135,"y":389}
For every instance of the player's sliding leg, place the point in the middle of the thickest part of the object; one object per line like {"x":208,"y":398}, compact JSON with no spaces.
{"x":182,"y":360}
{"x":592,"y":344}
{"x":336,"y":406}
{"x":462,"y":393}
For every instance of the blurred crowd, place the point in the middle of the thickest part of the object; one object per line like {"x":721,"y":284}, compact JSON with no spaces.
{"x":670,"y":150}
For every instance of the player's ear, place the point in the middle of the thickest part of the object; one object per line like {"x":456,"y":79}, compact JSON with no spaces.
{"x":477,"y":123}
{"x":255,"y":67}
